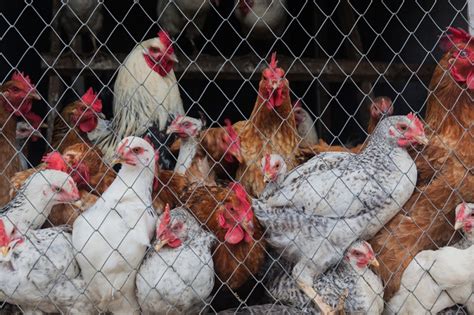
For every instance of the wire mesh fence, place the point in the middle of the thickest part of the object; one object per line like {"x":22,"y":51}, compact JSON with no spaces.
{"x":247,"y":157}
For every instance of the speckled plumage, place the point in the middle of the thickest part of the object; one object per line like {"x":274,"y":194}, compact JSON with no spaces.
{"x":323,"y":207}
{"x":43,"y":274}
{"x":178,"y":280}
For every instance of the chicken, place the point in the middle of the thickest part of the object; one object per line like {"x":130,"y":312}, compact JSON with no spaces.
{"x":335,"y":198}
{"x":112,"y":236}
{"x":17,"y":96}
{"x":184,"y":17}
{"x":261,"y":19}
{"x":76,"y":121}
{"x":24,"y":132}
{"x":37,"y":267}
{"x":305,"y":126}
{"x":79,"y":17}
{"x":177,"y":274}
{"x":445,"y":167}
{"x":435,"y":280}
{"x":274,"y":170}
{"x":380,"y":108}
{"x":145,"y":93}
{"x":192,"y":160}
{"x":464,"y":220}
{"x":226,"y":212}
{"x":351,"y":278}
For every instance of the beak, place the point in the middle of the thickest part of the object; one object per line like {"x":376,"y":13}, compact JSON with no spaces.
{"x":171,"y":129}
{"x":160,"y":245}
{"x":34,"y":95}
{"x":422,"y":139}
{"x":267,"y":178}
{"x":458,"y":225}
{"x":4,"y":250}
{"x":248,"y":227}
{"x":374,"y":262}
{"x":118,"y":160}
{"x":101,"y":115}
{"x":173,"y":57}
{"x":78,"y":204}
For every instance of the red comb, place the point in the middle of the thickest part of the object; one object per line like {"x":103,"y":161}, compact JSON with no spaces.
{"x":166,"y":41}
{"x":239,"y":191}
{"x":91,"y":99}
{"x":4,"y":239}
{"x":454,"y":36}
{"x":267,"y":162}
{"x":121,"y":148}
{"x":416,"y":121}
{"x":81,"y":174}
{"x":54,"y":161}
{"x":273,"y":61}
{"x":19,"y":76}
{"x":165,"y":220}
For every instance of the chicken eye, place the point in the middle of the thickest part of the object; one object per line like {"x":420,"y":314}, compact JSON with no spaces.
{"x":57,"y":189}
{"x":15,"y":89}
{"x":136,"y":150}
{"x":463,"y":54}
{"x":154,"y":50}
{"x":402,"y":127}
{"x":277,"y":165}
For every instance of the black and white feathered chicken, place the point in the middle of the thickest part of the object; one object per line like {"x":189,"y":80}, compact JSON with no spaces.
{"x":38,"y":270}
{"x":177,"y":274}
{"x":334,"y":199}
{"x":111,"y":237}
{"x":351,"y":278}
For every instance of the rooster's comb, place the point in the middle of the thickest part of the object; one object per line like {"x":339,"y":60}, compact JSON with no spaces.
{"x":165,"y":219}
{"x":54,"y":161}
{"x":122,"y":146}
{"x":166,"y":41}
{"x":19,"y":76}
{"x":416,"y":121}
{"x":454,"y":36}
{"x":266,"y":167}
{"x":4,"y":239}
{"x":273,"y":61}
{"x":91,"y":99}
{"x":240,"y":192}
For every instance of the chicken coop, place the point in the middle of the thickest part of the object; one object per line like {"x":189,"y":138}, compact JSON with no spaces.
{"x":237,"y":157}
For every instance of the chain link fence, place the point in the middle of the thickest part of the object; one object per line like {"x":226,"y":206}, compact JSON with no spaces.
{"x":236,"y":157}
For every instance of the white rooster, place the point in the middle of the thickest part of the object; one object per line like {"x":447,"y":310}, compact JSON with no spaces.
{"x":112,"y":236}
{"x":177,"y":275}
{"x":38,"y":271}
{"x":146,"y":93}
{"x":438,"y":279}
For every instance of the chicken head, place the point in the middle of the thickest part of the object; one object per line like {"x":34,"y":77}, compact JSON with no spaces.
{"x":7,"y":240}
{"x":19,"y":94}
{"x":185,"y":126}
{"x":231,"y":143}
{"x":273,"y":82}
{"x":380,"y":107}
{"x":169,"y":232}
{"x":461,"y":47}
{"x":273,"y":167}
{"x":135,"y":151}
{"x":159,"y":54}
{"x":360,"y":255}
{"x":406,"y":130}
{"x":464,"y":218}
{"x":86,"y":114}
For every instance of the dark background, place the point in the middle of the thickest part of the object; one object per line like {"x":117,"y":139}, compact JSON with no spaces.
{"x":392,"y":31}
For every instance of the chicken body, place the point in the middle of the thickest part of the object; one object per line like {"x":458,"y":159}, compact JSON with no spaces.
{"x":435,"y":280}
{"x":177,"y":279}
{"x":174,"y":16}
{"x":79,"y":17}
{"x":261,"y":19}
{"x":445,"y":166}
{"x":335,"y":198}
{"x":145,"y":93}
{"x":113,"y":235}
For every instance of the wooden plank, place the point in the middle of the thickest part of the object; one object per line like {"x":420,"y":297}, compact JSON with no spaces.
{"x":244,"y":67}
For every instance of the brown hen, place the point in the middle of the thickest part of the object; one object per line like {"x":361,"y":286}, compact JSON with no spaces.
{"x":444,"y":167}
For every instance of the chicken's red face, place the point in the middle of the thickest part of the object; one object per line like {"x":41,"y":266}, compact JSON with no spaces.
{"x":231,"y":143}
{"x":168,"y":233}
{"x":8,"y":241}
{"x":464,"y":218}
{"x":461,"y":61}
{"x":62,"y":192}
{"x":360,"y":255}
{"x":160,"y":55}
{"x":185,"y":127}
{"x":245,"y":6}
{"x":135,"y":151}
{"x":273,"y":84}
{"x":86,"y":114}
{"x":19,"y":94}
{"x":237,"y":217}
{"x":381,"y":106}
{"x":409,"y":131}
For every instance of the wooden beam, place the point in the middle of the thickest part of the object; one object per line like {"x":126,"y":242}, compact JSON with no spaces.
{"x":245,"y":67}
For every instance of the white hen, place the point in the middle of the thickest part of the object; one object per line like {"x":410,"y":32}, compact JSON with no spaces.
{"x":112,"y":236}
{"x":177,"y":275}
{"x":438,"y":279}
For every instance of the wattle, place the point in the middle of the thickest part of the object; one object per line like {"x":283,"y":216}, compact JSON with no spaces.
{"x":162,"y":68}
{"x":234,"y":235}
{"x":88,"y":125}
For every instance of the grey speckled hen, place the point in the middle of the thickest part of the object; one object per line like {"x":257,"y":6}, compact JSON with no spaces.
{"x":335,"y":198}
{"x":177,"y":274}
